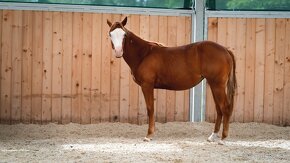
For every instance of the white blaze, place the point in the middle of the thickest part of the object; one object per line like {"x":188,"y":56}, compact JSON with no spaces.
{"x":117,"y":37}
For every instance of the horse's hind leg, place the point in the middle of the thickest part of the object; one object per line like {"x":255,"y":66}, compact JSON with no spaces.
{"x":222,"y":106}
{"x":214,"y":136}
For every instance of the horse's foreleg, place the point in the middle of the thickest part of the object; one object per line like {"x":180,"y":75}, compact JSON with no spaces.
{"x":149,"y":99}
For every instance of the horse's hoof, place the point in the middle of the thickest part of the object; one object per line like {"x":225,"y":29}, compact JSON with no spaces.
{"x":213,"y":137}
{"x":147,"y":139}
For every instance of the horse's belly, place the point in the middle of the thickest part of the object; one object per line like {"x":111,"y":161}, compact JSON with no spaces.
{"x":178,"y":82}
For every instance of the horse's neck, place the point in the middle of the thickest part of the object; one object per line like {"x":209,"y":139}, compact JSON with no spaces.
{"x":135,"y":50}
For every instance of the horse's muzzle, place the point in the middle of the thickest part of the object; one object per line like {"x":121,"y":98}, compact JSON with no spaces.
{"x":118,"y":54}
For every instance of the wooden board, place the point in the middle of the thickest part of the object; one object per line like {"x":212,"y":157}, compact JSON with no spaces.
{"x":86,"y":68}
{"x":47,"y":67}
{"x":250,"y":70}
{"x":6,"y":66}
{"x":36,"y":111}
{"x":26,"y":67}
{"x":259,"y":70}
{"x":106,"y":70}
{"x":17,"y":29}
{"x":240,"y":56}
{"x":66,"y":100}
{"x":279,"y":71}
{"x":56,"y":66}
{"x":269,"y":71}
{"x":76,"y":68}
{"x":286,"y":106}
{"x":96,"y":68}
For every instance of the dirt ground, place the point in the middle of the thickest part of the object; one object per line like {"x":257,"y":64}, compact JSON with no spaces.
{"x":119,"y":142}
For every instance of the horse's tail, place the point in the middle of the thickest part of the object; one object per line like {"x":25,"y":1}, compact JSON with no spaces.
{"x":232,"y":83}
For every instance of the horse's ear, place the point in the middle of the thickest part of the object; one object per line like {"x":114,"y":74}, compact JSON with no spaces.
{"x":109,"y":23}
{"x":124,"y":22}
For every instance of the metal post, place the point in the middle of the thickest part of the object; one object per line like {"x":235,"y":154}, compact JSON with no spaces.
{"x":198,"y":92}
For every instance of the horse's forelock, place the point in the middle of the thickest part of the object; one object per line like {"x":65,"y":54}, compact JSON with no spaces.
{"x":117,"y":25}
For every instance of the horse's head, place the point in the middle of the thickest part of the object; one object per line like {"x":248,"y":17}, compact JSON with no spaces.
{"x":117,"y":34}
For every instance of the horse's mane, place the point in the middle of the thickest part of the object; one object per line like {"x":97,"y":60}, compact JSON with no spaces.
{"x":150,"y":42}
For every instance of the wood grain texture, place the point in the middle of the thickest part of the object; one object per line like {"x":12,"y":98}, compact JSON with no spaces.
{"x":106,"y":70}
{"x":279,"y":70}
{"x":26,"y":67}
{"x":76,"y":66}
{"x":259,"y":70}
{"x":250,"y":70}
{"x":47,"y":67}
{"x":37,"y":50}
{"x":96,"y":68}
{"x":286,"y":105}
{"x":269,"y":71}
{"x":240,"y":56}
{"x":6,"y":66}
{"x":59,"y":67}
{"x":17,"y":29}
{"x":86,"y":69}
{"x":66,"y":100}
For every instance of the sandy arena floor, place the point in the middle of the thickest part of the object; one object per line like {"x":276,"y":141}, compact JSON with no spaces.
{"x":117,"y":142}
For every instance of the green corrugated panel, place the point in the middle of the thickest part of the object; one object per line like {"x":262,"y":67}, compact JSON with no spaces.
{"x":250,"y":5}
{"x":172,"y":4}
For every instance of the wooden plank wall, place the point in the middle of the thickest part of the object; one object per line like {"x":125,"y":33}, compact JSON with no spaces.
{"x":262,"y":49}
{"x":58,"y":67}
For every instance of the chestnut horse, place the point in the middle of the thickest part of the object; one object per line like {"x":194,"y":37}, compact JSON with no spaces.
{"x":178,"y":68}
